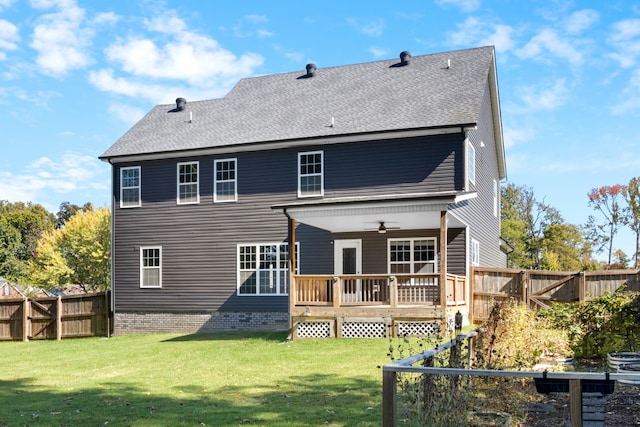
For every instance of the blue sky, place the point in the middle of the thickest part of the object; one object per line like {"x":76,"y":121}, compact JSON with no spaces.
{"x":75,"y":75}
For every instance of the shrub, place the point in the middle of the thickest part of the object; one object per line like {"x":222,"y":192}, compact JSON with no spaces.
{"x":514,"y":338}
{"x":610,"y":322}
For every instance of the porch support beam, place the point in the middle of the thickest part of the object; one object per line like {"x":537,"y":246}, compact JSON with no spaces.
{"x":292,"y":267}
{"x":443,"y":261}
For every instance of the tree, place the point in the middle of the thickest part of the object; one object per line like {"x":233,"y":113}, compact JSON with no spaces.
{"x":632,"y":218}
{"x":606,"y":200}
{"x":523,"y":222}
{"x":563,"y":248}
{"x":79,"y":253}
{"x":29,"y":221}
{"x":67,"y":210}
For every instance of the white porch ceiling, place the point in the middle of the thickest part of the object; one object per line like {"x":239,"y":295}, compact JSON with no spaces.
{"x":397,"y":212}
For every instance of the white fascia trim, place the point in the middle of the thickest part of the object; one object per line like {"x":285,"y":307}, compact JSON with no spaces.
{"x":260,"y":146}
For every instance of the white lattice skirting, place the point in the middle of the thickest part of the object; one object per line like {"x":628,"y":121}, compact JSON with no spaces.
{"x":364,"y":329}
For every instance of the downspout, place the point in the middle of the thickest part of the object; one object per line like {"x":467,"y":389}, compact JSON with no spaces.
{"x":112,"y":266}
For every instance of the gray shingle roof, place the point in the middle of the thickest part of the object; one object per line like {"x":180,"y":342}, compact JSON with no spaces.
{"x":362,"y":98}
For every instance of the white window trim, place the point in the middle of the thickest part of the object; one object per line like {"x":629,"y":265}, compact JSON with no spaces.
{"x":142,"y":268}
{"x":306,"y":153}
{"x":475,"y":252}
{"x":471,"y":162}
{"x":496,"y":198}
{"x":139,"y":187}
{"x":235,"y":180}
{"x":197,"y":183}
{"x":257,"y":245}
{"x":412,"y":261}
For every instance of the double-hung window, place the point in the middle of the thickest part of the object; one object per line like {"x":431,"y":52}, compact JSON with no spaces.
{"x":310,"y":174}
{"x":413,"y":256}
{"x":224,"y":181}
{"x":188,"y":187}
{"x":151,"y":267}
{"x":130,"y":187}
{"x":263,"y":269}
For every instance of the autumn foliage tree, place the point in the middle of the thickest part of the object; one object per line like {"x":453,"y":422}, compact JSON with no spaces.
{"x":632,"y":219}
{"x":608,"y":201}
{"x":79,"y":253}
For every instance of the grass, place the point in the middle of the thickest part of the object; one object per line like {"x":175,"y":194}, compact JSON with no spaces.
{"x":193,"y":380}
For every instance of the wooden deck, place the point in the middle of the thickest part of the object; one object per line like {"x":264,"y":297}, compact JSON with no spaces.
{"x":375,"y":299}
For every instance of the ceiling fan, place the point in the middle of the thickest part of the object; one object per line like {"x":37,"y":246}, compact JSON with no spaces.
{"x":382,"y":228}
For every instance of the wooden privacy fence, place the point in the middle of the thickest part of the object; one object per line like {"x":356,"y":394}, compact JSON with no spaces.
{"x":539,"y":288}
{"x":51,"y":318}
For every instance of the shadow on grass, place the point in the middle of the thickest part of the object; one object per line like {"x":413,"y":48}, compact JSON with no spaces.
{"x":298,"y":401}
{"x":278,"y":336}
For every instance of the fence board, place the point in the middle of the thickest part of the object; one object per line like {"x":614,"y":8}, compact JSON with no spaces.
{"x":55,"y":318}
{"x":537,"y":288}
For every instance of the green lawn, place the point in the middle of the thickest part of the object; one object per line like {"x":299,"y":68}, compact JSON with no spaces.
{"x":206,"y":379}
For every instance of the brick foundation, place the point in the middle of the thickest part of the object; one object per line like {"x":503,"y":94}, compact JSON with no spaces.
{"x":189,"y":323}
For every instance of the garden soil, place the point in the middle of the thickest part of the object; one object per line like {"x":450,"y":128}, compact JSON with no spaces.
{"x":622,"y":409}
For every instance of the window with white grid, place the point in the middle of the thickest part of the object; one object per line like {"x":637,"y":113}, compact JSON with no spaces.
{"x":310,"y":174}
{"x":224,"y":181}
{"x":151,"y":267}
{"x":263,"y":269}
{"x":188,"y":186}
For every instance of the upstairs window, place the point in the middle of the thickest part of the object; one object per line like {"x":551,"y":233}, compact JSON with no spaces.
{"x":224,"y":181}
{"x":475,"y":252}
{"x":310,"y":174}
{"x":188,"y":187}
{"x":496,"y":199}
{"x":151,"y":267}
{"x":471,"y":166}
{"x":130,"y":187}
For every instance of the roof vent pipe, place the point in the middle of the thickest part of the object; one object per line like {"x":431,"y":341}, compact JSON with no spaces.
{"x":404,"y":58}
{"x":180,"y":104}
{"x":311,"y":70}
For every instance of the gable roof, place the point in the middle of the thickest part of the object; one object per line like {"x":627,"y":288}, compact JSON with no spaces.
{"x":368,"y":98}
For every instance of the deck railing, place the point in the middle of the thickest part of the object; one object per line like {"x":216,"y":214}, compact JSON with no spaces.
{"x":368,"y":290}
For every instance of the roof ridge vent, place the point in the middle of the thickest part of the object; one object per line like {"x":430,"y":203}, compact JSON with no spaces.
{"x":405,"y":56}
{"x":311,"y":70}
{"x":180,"y":104}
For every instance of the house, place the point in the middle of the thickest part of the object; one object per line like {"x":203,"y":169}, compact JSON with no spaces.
{"x":15,"y":291}
{"x":385,"y":174}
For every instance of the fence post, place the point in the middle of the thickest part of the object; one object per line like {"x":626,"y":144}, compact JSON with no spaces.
{"x":26,"y":307}
{"x":389,"y":398}
{"x":59,"y":318}
{"x":575,"y":402}
{"x":582,"y":285}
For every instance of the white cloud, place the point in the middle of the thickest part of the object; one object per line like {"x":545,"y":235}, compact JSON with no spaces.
{"x":246,"y":27}
{"x":107,"y":18}
{"x":371,"y":28}
{"x":548,"y":98}
{"x":463,"y":5}
{"x":630,"y":96}
{"x":8,"y":35}
{"x":517,"y":135}
{"x":5,"y":3}
{"x":54,"y":180}
{"x":378,"y":52}
{"x":167,"y":23}
{"x":625,"y":39}
{"x":256,"y":19}
{"x":476,"y":32}
{"x":127,"y":113}
{"x":60,"y":38}
{"x":188,"y":57}
{"x":581,"y":20}
{"x":549,"y":41}
{"x":133,"y":87}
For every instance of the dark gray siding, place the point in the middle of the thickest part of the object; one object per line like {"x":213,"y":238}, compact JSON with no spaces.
{"x":478,"y":213}
{"x":375,"y":248}
{"x":199,"y":241}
